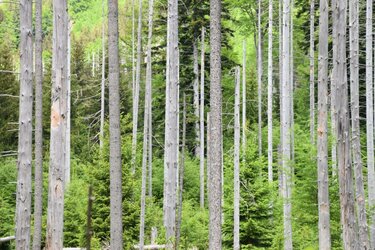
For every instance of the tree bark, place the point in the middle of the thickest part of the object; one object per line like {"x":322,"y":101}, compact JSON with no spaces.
{"x":24,"y":163}
{"x":38,"y":192}
{"x":236,"y":181}
{"x":215,"y":171}
{"x":292,"y":84}
{"x":58,"y":127}
{"x":323,"y":195}
{"x":333,"y":97}
{"x":201,"y":163}
{"x":67,"y":131}
{"x":260,"y":73}
{"x":114,"y":128}
{"x":269,"y":90}
{"x":196,"y":96}
{"x":102,"y":94}
{"x":312,"y":72}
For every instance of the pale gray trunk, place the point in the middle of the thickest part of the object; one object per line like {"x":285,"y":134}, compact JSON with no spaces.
{"x":102,"y":93}
{"x":133,"y":49}
{"x":196,"y":96}
{"x":24,"y":163}
{"x":215,"y":171}
{"x":279,"y":150}
{"x":67,"y":132}
{"x":343,"y":127}
{"x":38,"y":184}
{"x":244,"y":99}
{"x":370,"y":122}
{"x":136,"y":88}
{"x":269,"y":90}
{"x":286,"y":127}
{"x":58,"y":126}
{"x":333,"y":98}
{"x":236,"y":181}
{"x":201,"y":158}
{"x":260,"y":73}
{"x":114,"y":128}
{"x":171,"y":147}
{"x":292,"y":84}
{"x":356,"y":144}
{"x":323,"y":195}
{"x":312,"y":72}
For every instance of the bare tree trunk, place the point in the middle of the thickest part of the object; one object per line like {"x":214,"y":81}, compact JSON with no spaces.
{"x":58,"y":127}
{"x":333,"y":97}
{"x":133,"y":50}
{"x":244,"y":100}
{"x":215,"y":171}
{"x":171,"y":125}
{"x":343,"y":127}
{"x":38,"y":192}
{"x":269,"y":90}
{"x":312,"y":72}
{"x":114,"y":128}
{"x":89,"y":231}
{"x":260,"y":73}
{"x":23,"y":202}
{"x":323,"y":195}
{"x":201,"y":163}
{"x":356,"y":144}
{"x":292,"y":84}
{"x":236,"y":181}
{"x":196,"y":96}
{"x":370,"y":122}
{"x":286,"y":127}
{"x":136,"y":88}
{"x":67,"y":132}
{"x":102,"y":94}
{"x":279,"y":150}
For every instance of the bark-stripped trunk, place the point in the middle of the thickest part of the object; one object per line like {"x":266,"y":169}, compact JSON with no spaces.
{"x":102,"y":93}
{"x":67,"y":132}
{"x":370,"y":122}
{"x":38,"y":192}
{"x":333,"y":98}
{"x":58,"y":127}
{"x":286,"y":127}
{"x":292,"y":84}
{"x":201,"y":163}
{"x":323,"y":196}
{"x":136,"y":88}
{"x":236,"y":181}
{"x":24,"y":163}
{"x":343,"y":127}
{"x":171,"y":125}
{"x":215,"y":171}
{"x":114,"y":128}
{"x":133,"y":49}
{"x":269,"y":90}
{"x":196,"y":96}
{"x":260,"y":73}
{"x":312,"y":73}
{"x":279,"y":150}
{"x":244,"y":100}
{"x":356,"y":144}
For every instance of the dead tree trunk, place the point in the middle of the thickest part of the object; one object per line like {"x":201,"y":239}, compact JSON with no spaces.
{"x":260,"y":73}
{"x":269,"y":95}
{"x":201,"y":163}
{"x":236,"y":181}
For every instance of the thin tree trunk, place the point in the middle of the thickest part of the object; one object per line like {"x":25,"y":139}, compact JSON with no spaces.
{"x":38,"y":192}
{"x":102,"y":94}
{"x":67,"y":132}
{"x":114,"y":128}
{"x":343,"y":127}
{"x":236,"y":201}
{"x":269,"y":90}
{"x":260,"y":73}
{"x":356,"y":144}
{"x":312,"y":73}
{"x":171,"y":125}
{"x":292,"y":84}
{"x":23,"y":202}
{"x":89,"y":231}
{"x":196,"y":96}
{"x":286,"y":127}
{"x":244,"y":100}
{"x":323,"y":195}
{"x":370,"y":121}
{"x":333,"y":97}
{"x":279,"y":150}
{"x":58,"y":127}
{"x":215,"y":172}
{"x":133,"y":49}
{"x":93,"y":65}
{"x":136,"y":88}
{"x":201,"y":163}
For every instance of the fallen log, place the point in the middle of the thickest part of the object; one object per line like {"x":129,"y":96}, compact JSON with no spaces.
{"x":6,"y":239}
{"x":150,"y":247}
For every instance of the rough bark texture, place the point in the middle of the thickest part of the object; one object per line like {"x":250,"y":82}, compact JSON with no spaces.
{"x":269,"y":91}
{"x":38,"y":184}
{"x":24,"y":163}
{"x":215,"y":169}
{"x":312,"y":73}
{"x":67,"y":131}
{"x":58,"y":126}
{"x":171,"y":125}
{"x":356,"y":144}
{"x":343,"y":127}
{"x":286,"y":126}
{"x":196,"y":96}
{"x":244,"y":100}
{"x":236,"y":180}
{"x":201,"y":163}
{"x":102,"y":93}
{"x":114,"y":128}
{"x":260,"y":73}
{"x":370,"y":121}
{"x":333,"y":97}
{"x":292,"y":84}
{"x":323,"y":196}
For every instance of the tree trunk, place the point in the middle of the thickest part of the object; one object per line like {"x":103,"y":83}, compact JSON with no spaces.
{"x":236,"y":201}
{"x":370,"y":122}
{"x":171,"y":125}
{"x":312,"y":73}
{"x":201,"y":163}
{"x":114,"y":128}
{"x":260,"y":73}
{"x":102,"y":94}
{"x":333,"y":97}
{"x":89,"y":231}
{"x":58,"y":127}
{"x":292,"y":84}
{"x":286,"y":127}
{"x":67,"y":131}
{"x":23,"y":202}
{"x":38,"y":192}
{"x":269,"y":90}
{"x":356,"y":144}
{"x":244,"y":100}
{"x":323,"y":195}
{"x":279,"y":150}
{"x":343,"y":126}
{"x":215,"y":171}
{"x":196,"y":95}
